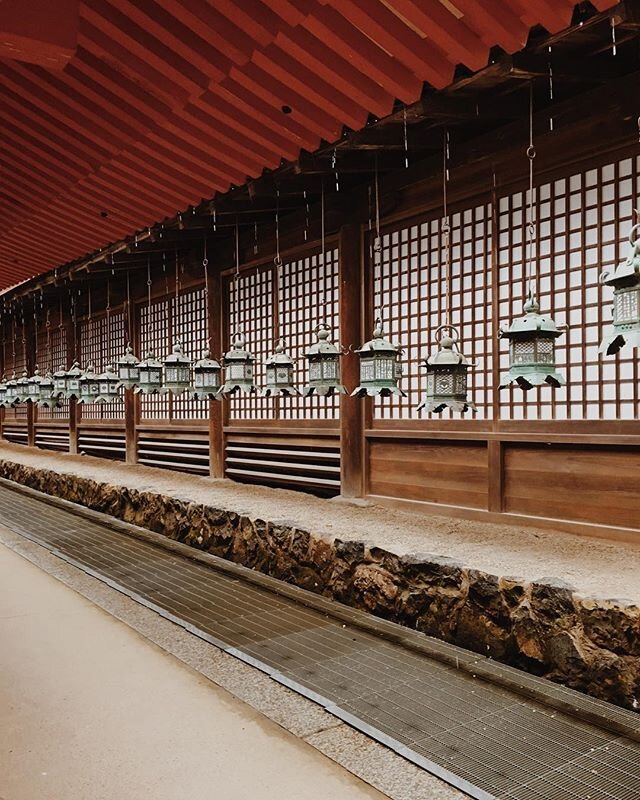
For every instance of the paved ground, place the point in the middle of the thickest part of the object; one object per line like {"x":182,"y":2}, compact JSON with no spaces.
{"x":90,"y":709}
{"x":375,"y":764}
{"x":596,"y":568}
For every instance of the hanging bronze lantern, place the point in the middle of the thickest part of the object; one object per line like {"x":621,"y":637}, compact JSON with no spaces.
{"x":3,"y":392}
{"x":279,"y":367}
{"x":446,"y":375}
{"x":33,"y":387}
{"x":47,"y":398}
{"x":109,"y":386}
{"x":625,"y":281}
{"x":532,"y":349}
{"x":238,"y":367}
{"x":72,"y":381}
{"x":324,"y":366}
{"x":89,"y":386}
{"x":59,"y":383}
{"x":128,"y":369}
{"x":380,"y":367}
{"x":150,"y":379}
{"x":206,"y":378}
{"x":12,"y":391}
{"x":22,"y":388}
{"x":177,"y":370}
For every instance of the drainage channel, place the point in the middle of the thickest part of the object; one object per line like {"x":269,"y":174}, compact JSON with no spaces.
{"x":487,"y":729}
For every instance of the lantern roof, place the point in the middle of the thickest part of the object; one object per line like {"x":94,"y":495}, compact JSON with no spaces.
{"x":532,"y":322}
{"x":89,"y":374}
{"x":177,"y":355}
{"x":128,"y":359}
{"x":628,"y":271}
{"x":447,"y":354}
{"x":279,"y":356}
{"x":238,"y":350}
{"x":150,"y":360}
{"x":36,"y":377}
{"x":323,"y":345}
{"x":378,"y":343}
{"x":109,"y":374}
{"x":206,"y":362}
{"x":74,"y":371}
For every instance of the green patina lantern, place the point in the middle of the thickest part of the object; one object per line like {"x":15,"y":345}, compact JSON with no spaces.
{"x":323,"y":366}
{"x":128,"y":369}
{"x":12,"y":391}
{"x":625,"y":281}
{"x":59,"y":382}
{"x":206,"y":378}
{"x":380,"y":367}
{"x":150,"y":378}
{"x":177,"y":370}
{"x":109,"y":386}
{"x":238,"y":368}
{"x":33,"y":387}
{"x":89,"y":386}
{"x":72,"y":381}
{"x":532,"y":349}
{"x":279,"y":368}
{"x":22,"y":388}
{"x":3,"y":392}
{"x":446,"y":375}
{"x":48,"y":398}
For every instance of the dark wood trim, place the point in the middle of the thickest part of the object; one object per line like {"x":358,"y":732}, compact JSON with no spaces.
{"x":351,"y":332}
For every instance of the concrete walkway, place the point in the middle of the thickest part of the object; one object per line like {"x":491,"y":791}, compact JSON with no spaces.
{"x":89,"y":710}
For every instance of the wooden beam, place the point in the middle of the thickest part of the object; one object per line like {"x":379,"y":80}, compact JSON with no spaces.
{"x":351,"y":332}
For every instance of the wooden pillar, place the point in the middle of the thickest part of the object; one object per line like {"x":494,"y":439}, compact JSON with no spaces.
{"x":216,"y":407}
{"x":351,"y":276}
{"x":495,"y":454}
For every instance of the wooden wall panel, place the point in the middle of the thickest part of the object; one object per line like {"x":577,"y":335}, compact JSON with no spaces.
{"x":447,"y":472}
{"x":595,"y":484}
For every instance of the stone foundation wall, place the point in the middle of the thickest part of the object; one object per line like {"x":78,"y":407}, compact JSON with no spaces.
{"x":543,"y":627}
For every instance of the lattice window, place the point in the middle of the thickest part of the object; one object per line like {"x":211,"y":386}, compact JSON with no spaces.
{"x":308,"y":295}
{"x":189,"y":324}
{"x":583,"y":225}
{"x":167,"y":319}
{"x":409,"y":292}
{"x":154,"y":338}
{"x":252,"y":310}
{"x":101,"y":343}
{"x":15,"y":359}
{"x":51,"y":356}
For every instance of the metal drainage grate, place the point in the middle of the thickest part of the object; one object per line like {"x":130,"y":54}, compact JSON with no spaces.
{"x":479,"y":736}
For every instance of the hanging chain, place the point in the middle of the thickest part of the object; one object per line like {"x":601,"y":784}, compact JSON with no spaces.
{"x":236,"y":278}
{"x":377,"y":247}
{"x":149,"y":290}
{"x":550,"y":88}
{"x":446,"y":225}
{"x":255,"y":238}
{"x":306,"y":213}
{"x":334,"y":167}
{"x":205,"y":267}
{"x":108,"y":309}
{"x":614,"y":44}
{"x":35,"y":327}
{"x":277,"y":260}
{"x":531,"y":154}
{"x":406,"y":141}
{"x":128,"y":318}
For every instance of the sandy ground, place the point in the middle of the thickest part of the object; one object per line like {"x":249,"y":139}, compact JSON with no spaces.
{"x":90,"y":709}
{"x":595,"y":567}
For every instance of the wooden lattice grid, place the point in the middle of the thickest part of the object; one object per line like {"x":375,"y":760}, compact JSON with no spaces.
{"x":252,"y":311}
{"x":409,"y":290}
{"x":102,"y":341}
{"x":166,"y":320}
{"x":583,"y":224}
{"x":51,"y":356}
{"x":308,"y":295}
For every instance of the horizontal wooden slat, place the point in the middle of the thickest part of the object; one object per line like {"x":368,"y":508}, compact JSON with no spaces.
{"x":281,"y":478}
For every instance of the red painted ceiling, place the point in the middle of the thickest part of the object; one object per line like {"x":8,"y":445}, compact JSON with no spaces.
{"x":139,"y":108}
